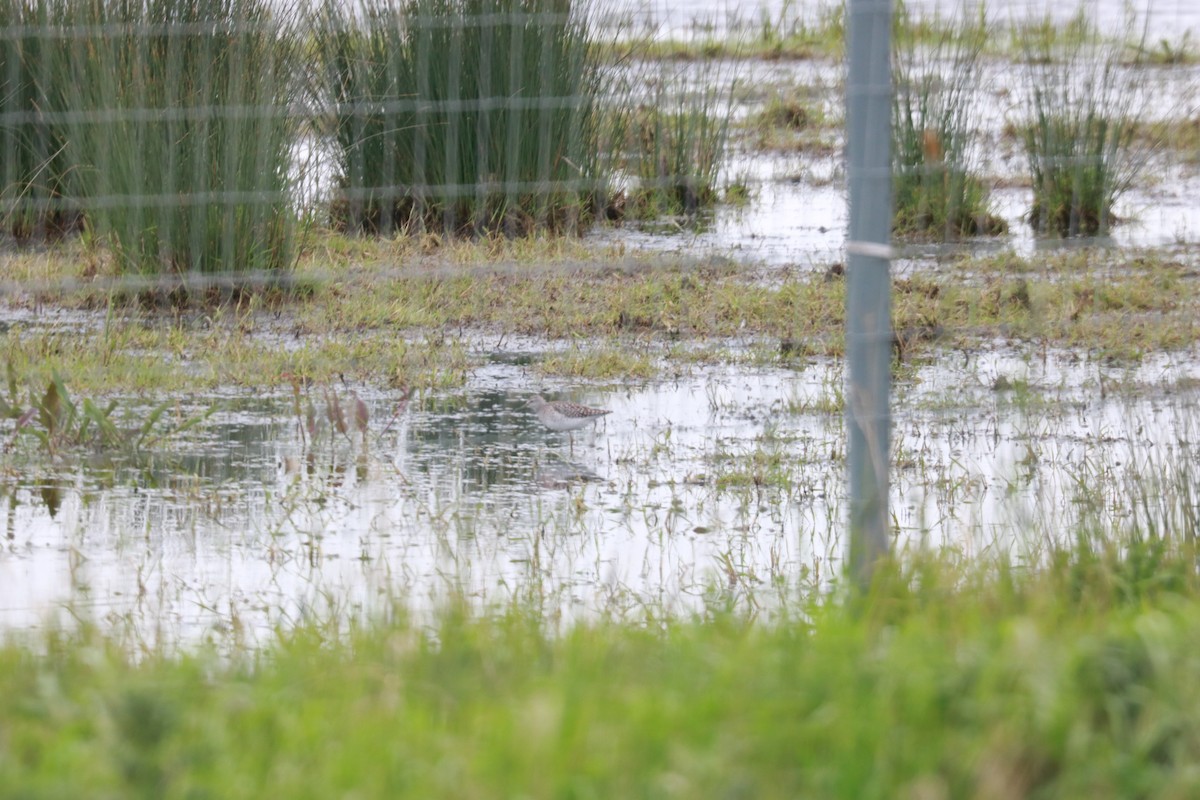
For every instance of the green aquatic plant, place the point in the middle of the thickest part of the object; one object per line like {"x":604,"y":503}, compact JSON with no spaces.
{"x":938,"y":193}
{"x":180,"y":131}
{"x":1079,"y":131}
{"x":61,"y":424}
{"x":462,"y":116}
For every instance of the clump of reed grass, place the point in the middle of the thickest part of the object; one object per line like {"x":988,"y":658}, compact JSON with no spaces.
{"x":1079,"y":134}
{"x":678,"y":142}
{"x":34,"y":169}
{"x":937,"y":191}
{"x":462,"y":115}
{"x":179,"y":130}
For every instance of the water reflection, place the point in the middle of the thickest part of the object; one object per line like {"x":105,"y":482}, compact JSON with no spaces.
{"x":727,"y":478}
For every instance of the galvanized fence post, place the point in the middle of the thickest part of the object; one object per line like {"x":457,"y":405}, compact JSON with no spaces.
{"x":868,"y":301}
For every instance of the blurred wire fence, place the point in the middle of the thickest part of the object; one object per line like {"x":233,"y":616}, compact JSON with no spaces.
{"x":195,"y":141}
{"x":206,"y":148}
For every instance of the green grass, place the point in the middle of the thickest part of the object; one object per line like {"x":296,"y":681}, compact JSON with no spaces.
{"x":608,"y":361}
{"x":56,"y":423}
{"x":1080,"y":131}
{"x":937,"y":193}
{"x":678,"y":140}
{"x":791,"y":119}
{"x":418,"y":324}
{"x":1181,"y":136}
{"x":34,"y":170}
{"x":785,"y":35}
{"x":791,"y":111}
{"x":1165,"y":52}
{"x":201,"y":183}
{"x":819,"y":33}
{"x":948,"y":679}
{"x":463,"y":116}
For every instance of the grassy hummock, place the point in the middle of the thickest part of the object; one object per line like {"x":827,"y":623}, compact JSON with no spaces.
{"x":179,"y":133}
{"x":1079,"y":130}
{"x":938,"y":192}
{"x":462,"y":115}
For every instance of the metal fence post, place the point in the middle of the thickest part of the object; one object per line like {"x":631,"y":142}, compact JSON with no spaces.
{"x":868,"y":301}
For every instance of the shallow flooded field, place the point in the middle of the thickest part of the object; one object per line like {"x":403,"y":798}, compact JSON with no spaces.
{"x":714,"y":479}
{"x":1167,"y":18}
{"x":492,"y":442}
{"x":721,"y":480}
{"x":797,"y":212}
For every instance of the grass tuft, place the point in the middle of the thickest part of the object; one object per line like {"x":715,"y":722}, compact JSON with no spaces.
{"x":462,"y":116}
{"x":1080,"y":131}
{"x":679,"y":141}
{"x":937,"y":193}
{"x":180,"y":136}
{"x":34,"y":170}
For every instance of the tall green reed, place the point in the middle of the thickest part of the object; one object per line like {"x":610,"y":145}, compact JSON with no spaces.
{"x":938,"y":193}
{"x":181,"y":131}
{"x":1080,"y":132}
{"x":34,"y":168}
{"x":679,"y":138}
{"x":462,"y":116}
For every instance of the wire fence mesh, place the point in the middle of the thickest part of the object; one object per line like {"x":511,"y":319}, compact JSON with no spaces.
{"x":409,"y":212}
{"x":201,"y":144}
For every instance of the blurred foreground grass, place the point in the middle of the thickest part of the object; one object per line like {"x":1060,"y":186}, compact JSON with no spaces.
{"x":1079,"y":677}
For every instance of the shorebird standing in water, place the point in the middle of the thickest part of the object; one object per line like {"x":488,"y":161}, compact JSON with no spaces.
{"x":559,"y":415}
